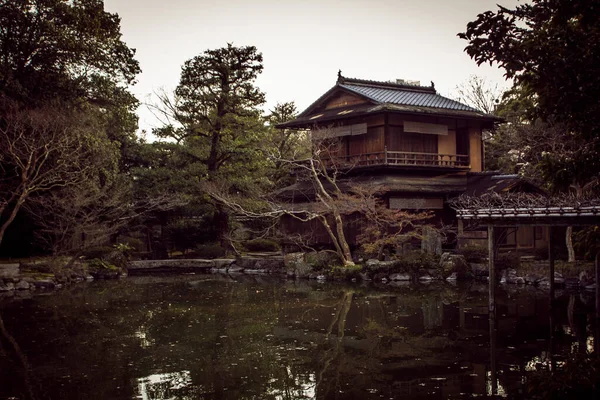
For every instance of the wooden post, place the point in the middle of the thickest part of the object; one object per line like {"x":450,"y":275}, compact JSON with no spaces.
{"x":385,"y":159}
{"x":597,"y":338}
{"x":492,"y":268}
{"x":551,"y":262}
{"x":597,"y":262}
{"x":492,"y":305}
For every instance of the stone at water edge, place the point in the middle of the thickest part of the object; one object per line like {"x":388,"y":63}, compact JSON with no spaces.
{"x":6,"y":287}
{"x":22,"y":285}
{"x":479,"y":269}
{"x":9,"y":270}
{"x":453,"y":277}
{"x":400,"y":277}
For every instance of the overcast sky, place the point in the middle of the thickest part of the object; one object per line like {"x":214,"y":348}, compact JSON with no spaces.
{"x":305,"y":43}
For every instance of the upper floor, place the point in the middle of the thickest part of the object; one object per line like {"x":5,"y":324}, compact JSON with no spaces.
{"x":396,"y":125}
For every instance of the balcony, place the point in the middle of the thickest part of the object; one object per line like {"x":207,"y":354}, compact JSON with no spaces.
{"x":402,"y":159}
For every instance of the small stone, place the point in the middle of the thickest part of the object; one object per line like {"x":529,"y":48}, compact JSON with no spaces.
{"x":321,"y":277}
{"x":9,"y":270}
{"x":44,"y":284}
{"x":89,"y":278}
{"x":22,"y":285}
{"x":6,"y":286}
{"x":364,"y":276}
{"x":400,"y":277}
{"x":453,"y":276}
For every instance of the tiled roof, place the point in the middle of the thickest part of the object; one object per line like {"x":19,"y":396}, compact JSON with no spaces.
{"x":403,"y":96}
{"x":387,"y":96}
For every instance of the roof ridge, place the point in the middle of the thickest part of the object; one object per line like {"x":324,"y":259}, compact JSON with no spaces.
{"x":388,"y":85}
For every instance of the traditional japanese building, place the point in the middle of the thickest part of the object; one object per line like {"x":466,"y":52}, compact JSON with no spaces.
{"x":420,"y":147}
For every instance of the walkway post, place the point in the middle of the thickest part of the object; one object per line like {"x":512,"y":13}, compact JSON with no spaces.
{"x":492,"y":305}
{"x":551,"y":262}
{"x":597,"y":338}
{"x":492,"y":269}
{"x":597,"y":262}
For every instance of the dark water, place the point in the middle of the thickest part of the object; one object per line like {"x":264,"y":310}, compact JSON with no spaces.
{"x":212,"y":337}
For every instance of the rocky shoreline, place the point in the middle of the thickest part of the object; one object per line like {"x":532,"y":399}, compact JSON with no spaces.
{"x":451,"y":267}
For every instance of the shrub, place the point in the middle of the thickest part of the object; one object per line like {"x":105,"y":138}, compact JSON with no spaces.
{"x":262,"y":245}
{"x":210,"y":250}
{"x":96,"y":252}
{"x":338,"y":272}
{"x":414,"y":260}
{"x":473,"y":252}
{"x":577,"y":378}
{"x":507,"y":260}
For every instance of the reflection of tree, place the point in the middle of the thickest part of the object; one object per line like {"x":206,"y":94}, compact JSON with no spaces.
{"x":334,"y":352}
{"x":25,"y":368}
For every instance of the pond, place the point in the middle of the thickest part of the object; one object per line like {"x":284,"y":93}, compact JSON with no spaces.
{"x":261,"y":337}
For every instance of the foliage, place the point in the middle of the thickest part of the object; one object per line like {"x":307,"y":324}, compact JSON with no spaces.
{"x":338,"y":272}
{"x":549,"y":48}
{"x":587,"y":241}
{"x":414,"y":260}
{"x":507,"y":261}
{"x":473,"y":252}
{"x":577,"y":378}
{"x":480,"y":94}
{"x":66,"y":117}
{"x":387,"y":228}
{"x":105,"y":257}
{"x":210,"y":250}
{"x":262,"y":245}
{"x":58,"y":49}
{"x":216,"y":132}
{"x":48,"y":149}
{"x":284,"y":143}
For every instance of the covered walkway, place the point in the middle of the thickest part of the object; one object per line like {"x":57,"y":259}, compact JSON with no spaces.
{"x":498,"y":212}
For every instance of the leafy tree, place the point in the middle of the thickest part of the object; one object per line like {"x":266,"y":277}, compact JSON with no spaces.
{"x":46,"y":149}
{"x":215,"y":119}
{"x":550,"y":49}
{"x":67,"y":49}
{"x":284,"y":144}
{"x":66,"y":115}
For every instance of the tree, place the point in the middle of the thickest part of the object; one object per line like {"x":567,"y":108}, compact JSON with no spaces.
{"x":45,"y":149}
{"x":67,"y":49}
{"x":480,"y":94}
{"x":284,"y":144}
{"x":214,"y":117}
{"x":219,"y":100}
{"x":66,"y":115}
{"x":336,"y":201}
{"x":550,"y":49}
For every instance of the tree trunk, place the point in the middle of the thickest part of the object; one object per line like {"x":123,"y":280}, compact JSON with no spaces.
{"x":221,"y":223}
{"x":569,"y":242}
{"x":12,"y":216}
{"x":339,"y":225}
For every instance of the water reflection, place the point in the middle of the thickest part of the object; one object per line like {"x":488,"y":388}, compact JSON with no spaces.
{"x":215,"y":337}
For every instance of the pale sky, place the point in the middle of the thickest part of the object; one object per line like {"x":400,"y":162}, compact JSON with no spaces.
{"x":305,"y":43}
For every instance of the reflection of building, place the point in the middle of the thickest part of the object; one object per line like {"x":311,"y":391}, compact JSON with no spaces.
{"x":417,"y":344}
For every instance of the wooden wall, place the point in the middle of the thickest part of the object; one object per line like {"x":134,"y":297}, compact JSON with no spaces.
{"x":343,"y":99}
{"x":387,"y":131}
{"x":475,"y":149}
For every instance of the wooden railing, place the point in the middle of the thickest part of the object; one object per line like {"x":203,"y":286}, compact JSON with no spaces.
{"x":403,"y":158}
